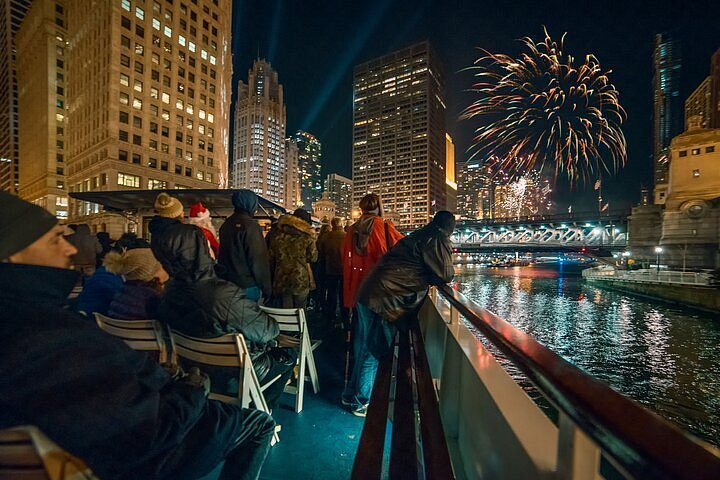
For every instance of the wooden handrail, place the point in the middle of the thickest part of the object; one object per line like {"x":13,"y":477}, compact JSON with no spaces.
{"x":639,"y":442}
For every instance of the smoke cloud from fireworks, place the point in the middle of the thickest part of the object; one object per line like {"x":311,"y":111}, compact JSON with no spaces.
{"x":545,"y":111}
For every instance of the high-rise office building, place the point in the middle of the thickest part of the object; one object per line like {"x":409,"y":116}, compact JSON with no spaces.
{"x":259,"y":148}
{"x":12,"y":13}
{"x":704,"y":102}
{"x":309,"y":163}
{"x":668,"y":112}
{"x":148,"y":89}
{"x":399,"y":134}
{"x":475,"y":191}
{"x":292,"y":175}
{"x":41,"y":105}
{"x":339,"y":190}
{"x":450,"y":180}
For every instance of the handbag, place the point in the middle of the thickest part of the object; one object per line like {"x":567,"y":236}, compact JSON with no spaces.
{"x":273,"y":359}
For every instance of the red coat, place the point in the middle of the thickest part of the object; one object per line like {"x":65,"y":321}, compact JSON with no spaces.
{"x":366,"y":242}
{"x":211,"y":240}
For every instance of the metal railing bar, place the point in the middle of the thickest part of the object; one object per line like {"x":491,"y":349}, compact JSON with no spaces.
{"x":435,"y":449}
{"x":403,"y":453}
{"x":641,"y":443}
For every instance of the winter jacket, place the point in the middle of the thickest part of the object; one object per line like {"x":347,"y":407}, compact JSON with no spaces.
{"x":98,"y":291}
{"x":137,"y":300}
{"x":330,"y":251}
{"x":366,"y":242}
{"x":177,"y":246}
{"x":400,"y":281}
{"x":291,"y":251}
{"x":88,"y":247}
{"x":198,"y":303}
{"x":110,"y":406}
{"x":243,"y":254}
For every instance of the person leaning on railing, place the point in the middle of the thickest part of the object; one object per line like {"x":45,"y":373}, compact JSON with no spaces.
{"x":115,"y":408}
{"x":398,"y":284}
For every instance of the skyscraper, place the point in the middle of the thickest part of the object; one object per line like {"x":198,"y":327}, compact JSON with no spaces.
{"x":41,"y":105}
{"x":148,"y":94}
{"x":475,"y":191}
{"x":339,"y":190}
{"x":292,"y":175}
{"x":704,"y":102}
{"x":12,"y":13}
{"x":668,"y":111}
{"x":399,"y":133}
{"x":259,"y":147}
{"x":450,"y":180}
{"x":309,"y":160}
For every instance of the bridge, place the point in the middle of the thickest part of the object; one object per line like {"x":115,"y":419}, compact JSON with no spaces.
{"x":568,"y":232}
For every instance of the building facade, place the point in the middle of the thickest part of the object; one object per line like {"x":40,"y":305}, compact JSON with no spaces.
{"x":259,"y":148}
{"x":475,"y":197}
{"x":451,"y":189}
{"x":667,"y":113}
{"x":324,"y":208}
{"x":309,"y":165}
{"x":41,"y":104}
{"x":704,"y":102}
{"x":399,"y":134}
{"x":339,"y":190}
{"x":12,"y":13}
{"x":292,"y":175}
{"x":148,"y":89}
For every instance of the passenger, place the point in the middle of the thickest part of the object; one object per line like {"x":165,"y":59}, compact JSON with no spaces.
{"x":105,"y":246}
{"x":115,"y":408}
{"x":394,"y":290}
{"x":243,"y":257}
{"x":199,"y":303}
{"x":88,"y":248}
{"x":98,"y":292}
{"x":200,"y":216}
{"x":330,"y":255}
{"x":318,"y":269}
{"x":144,"y":278}
{"x":170,"y":235}
{"x":292,"y":251}
{"x":128,"y":241}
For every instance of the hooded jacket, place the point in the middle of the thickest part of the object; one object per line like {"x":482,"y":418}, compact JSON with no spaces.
{"x":243,"y":256}
{"x":110,"y":406}
{"x":366,"y":242}
{"x":291,"y":250}
{"x":177,"y":246}
{"x":400,"y":281}
{"x":200,"y":304}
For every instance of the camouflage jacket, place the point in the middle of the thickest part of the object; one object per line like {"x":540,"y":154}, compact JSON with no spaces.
{"x":291,"y":250}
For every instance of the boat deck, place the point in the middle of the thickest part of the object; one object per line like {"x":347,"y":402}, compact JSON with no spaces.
{"x":320,"y":442}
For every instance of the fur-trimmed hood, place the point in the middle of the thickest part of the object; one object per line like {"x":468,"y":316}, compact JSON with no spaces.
{"x":287,"y":223}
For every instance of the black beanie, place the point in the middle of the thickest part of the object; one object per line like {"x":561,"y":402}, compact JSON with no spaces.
{"x":303,"y":214}
{"x":21,"y":224}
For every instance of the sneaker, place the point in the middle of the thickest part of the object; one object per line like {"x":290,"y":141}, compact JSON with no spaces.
{"x":360,"y":410}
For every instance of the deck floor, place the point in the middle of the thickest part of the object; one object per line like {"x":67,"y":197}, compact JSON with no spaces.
{"x":319,"y":442}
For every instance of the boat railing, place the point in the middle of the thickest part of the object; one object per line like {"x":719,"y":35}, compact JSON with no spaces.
{"x":451,"y":396}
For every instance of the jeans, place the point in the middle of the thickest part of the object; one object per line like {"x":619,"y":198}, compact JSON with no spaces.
{"x":238,"y":436}
{"x":366,"y":327}
{"x":253,"y":293}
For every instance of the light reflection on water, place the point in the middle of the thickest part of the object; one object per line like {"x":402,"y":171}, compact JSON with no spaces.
{"x":663,"y":356}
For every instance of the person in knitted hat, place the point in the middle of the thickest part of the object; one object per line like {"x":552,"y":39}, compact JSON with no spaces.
{"x":167,"y":206}
{"x":200,"y":216}
{"x":115,"y":408}
{"x":143,"y":276}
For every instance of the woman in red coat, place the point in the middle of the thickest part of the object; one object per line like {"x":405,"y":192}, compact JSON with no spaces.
{"x":367,"y":240}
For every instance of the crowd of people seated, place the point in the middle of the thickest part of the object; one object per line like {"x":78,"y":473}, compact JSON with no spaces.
{"x":127,"y":416}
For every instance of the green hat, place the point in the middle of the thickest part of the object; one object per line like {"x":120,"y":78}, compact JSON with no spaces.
{"x":21,"y":224}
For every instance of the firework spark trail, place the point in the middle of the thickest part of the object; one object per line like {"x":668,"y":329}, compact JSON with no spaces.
{"x":541,"y":110}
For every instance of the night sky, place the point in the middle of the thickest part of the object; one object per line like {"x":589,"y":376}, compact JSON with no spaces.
{"x":313,"y":45}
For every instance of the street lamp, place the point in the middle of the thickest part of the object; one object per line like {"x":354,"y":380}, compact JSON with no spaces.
{"x":658,"y":251}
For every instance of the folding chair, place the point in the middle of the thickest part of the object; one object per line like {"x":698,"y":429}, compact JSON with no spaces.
{"x":229,"y":350}
{"x":27,"y":454}
{"x":292,"y":321}
{"x":144,"y":335}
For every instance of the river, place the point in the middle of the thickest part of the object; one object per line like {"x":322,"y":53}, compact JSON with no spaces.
{"x":663,"y":356}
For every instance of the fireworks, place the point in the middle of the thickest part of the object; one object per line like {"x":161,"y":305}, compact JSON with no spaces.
{"x":526,"y":197}
{"x":543,"y":111}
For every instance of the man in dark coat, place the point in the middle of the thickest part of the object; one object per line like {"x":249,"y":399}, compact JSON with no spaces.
{"x":395,"y":287}
{"x":199,"y":303}
{"x":243,"y":256}
{"x":111,"y":406}
{"x":330,"y":257}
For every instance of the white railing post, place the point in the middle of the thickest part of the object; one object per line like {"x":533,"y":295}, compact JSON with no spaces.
{"x":578,"y":455}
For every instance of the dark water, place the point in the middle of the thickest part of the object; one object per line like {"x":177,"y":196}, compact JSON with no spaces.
{"x":665,"y":357}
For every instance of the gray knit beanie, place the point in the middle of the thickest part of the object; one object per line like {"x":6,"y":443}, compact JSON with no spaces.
{"x":21,"y":224}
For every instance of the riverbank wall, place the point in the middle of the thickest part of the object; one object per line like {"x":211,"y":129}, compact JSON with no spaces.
{"x":704,"y":298}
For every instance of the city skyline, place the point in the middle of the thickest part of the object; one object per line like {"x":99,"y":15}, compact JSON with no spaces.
{"x":285,"y":33}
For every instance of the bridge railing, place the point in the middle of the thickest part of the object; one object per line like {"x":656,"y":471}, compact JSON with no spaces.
{"x":493,"y":429}
{"x":552,"y":218}
{"x":650,"y":276}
